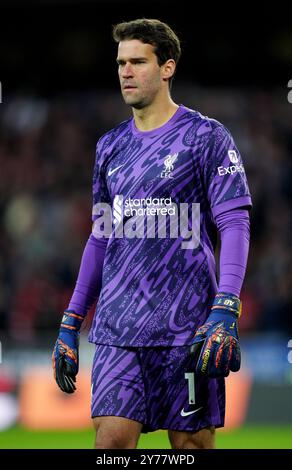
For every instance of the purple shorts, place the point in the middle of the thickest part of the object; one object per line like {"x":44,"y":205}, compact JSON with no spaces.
{"x":156,"y":387}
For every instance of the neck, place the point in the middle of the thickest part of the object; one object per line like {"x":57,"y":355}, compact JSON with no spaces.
{"x":154,"y":115}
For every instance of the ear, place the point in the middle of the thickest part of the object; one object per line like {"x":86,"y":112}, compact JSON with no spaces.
{"x":168,"y":69}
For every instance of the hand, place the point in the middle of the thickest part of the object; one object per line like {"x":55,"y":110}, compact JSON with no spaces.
{"x":65,"y":356}
{"x":216,"y":343}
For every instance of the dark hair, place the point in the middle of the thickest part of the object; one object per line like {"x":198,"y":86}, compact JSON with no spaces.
{"x":150,"y":31}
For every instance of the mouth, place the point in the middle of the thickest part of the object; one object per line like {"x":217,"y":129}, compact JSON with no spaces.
{"x":129,"y":87}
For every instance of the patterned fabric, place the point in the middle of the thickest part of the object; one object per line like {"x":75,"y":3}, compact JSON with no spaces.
{"x":149,"y":385}
{"x":154,"y":292}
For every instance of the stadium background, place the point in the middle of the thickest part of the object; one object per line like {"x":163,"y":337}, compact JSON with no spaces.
{"x":59,"y":94}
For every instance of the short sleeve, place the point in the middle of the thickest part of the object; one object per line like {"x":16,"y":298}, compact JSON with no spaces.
{"x":223,"y":173}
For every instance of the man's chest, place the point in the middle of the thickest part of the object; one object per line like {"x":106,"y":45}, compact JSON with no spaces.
{"x":170,"y":171}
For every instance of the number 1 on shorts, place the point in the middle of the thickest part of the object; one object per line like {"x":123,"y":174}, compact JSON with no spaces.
{"x":190,"y":377}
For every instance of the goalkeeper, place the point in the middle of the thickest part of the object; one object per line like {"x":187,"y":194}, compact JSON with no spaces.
{"x":165,"y":328}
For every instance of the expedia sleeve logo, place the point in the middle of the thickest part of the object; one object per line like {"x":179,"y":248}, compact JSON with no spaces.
{"x":235,"y":168}
{"x":233,"y":156}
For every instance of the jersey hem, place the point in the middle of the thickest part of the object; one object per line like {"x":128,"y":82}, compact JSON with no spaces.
{"x":230,"y":204}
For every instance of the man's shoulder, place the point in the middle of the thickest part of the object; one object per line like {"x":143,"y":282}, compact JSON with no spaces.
{"x":204,"y":120}
{"x":202,"y":126}
{"x":111,"y":136}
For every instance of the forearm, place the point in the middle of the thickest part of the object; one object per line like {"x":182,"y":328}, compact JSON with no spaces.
{"x":88,"y":284}
{"x":234,"y":231}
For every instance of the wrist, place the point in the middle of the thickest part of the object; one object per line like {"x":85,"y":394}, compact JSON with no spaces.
{"x":227,"y":303}
{"x":71,"y":321}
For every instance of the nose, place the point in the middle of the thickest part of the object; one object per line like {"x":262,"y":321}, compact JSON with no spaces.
{"x":127,"y":71}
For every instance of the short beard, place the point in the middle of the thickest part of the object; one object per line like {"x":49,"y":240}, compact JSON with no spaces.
{"x":139,"y":104}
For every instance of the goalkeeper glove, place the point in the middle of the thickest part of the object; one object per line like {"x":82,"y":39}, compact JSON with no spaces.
{"x":216,"y":343}
{"x":65,"y":356}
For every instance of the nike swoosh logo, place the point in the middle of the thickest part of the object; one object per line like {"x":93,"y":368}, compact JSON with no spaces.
{"x":187,"y":413}
{"x":110,"y":172}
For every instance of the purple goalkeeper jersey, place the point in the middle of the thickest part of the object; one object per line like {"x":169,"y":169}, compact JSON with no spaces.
{"x":154,"y":292}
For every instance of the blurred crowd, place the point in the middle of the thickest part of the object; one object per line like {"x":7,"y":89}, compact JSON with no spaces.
{"x":47,"y":150}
